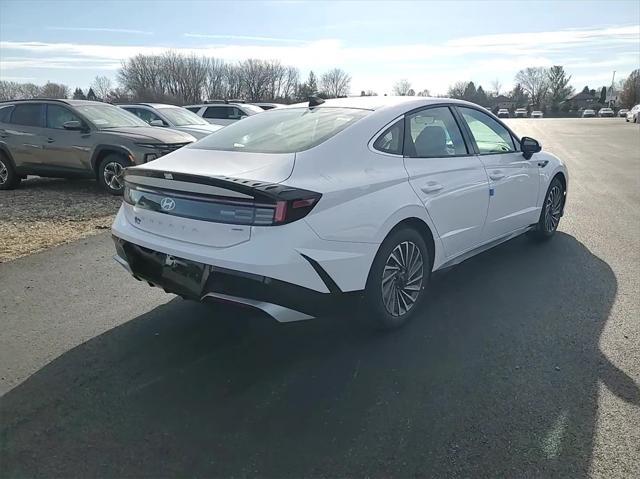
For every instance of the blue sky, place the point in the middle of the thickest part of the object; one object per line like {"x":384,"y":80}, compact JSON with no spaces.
{"x":432,"y":44}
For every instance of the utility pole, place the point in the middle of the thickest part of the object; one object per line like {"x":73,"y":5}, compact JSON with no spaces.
{"x":613,"y":79}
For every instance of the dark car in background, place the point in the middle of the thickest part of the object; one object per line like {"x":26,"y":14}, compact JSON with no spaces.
{"x":77,"y":139}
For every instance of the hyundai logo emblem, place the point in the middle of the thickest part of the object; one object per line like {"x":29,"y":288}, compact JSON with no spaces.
{"x":167,"y":204}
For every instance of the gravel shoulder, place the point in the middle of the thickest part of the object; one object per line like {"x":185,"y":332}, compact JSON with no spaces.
{"x":45,"y":212}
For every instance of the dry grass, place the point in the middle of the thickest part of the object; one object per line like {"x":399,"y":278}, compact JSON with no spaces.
{"x":42,"y":213}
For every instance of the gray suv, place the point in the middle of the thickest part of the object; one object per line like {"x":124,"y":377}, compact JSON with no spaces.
{"x":79,"y":139}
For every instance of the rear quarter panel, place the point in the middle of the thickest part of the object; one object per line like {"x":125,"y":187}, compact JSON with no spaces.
{"x":364,"y":194}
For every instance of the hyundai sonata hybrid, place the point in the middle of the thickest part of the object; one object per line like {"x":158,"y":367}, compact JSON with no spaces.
{"x":297,"y":208}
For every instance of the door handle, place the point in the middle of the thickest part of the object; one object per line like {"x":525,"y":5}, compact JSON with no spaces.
{"x":431,"y":187}
{"x":50,"y":140}
{"x":496,"y":175}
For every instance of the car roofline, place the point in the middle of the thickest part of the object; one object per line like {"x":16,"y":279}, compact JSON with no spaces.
{"x":26,"y":100}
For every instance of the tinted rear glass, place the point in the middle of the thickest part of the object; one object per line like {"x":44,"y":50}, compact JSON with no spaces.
{"x":28,"y":115}
{"x":282,"y":130}
{"x":5,"y":113}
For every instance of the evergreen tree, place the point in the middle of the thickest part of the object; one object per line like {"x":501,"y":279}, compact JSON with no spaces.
{"x":603,"y":95}
{"x":559,"y":88}
{"x":470,"y":92}
{"x":78,"y":94}
{"x":91,"y":95}
{"x":519,"y":96}
{"x":481,"y":96}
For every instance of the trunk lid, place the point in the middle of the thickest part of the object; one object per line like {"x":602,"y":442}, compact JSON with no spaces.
{"x":264,"y":167}
{"x":206,"y":197}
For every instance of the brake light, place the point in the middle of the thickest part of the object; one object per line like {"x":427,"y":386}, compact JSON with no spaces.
{"x":291,"y":210}
{"x":281,"y":212}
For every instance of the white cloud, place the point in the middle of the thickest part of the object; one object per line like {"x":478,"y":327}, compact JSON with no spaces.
{"x":101,"y":29}
{"x":244,"y":37}
{"x":434,"y":66}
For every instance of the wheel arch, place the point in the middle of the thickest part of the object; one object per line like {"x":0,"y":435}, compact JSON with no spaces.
{"x":561,"y":175}
{"x":101,"y":151}
{"x":4,"y":151}
{"x":423,"y":228}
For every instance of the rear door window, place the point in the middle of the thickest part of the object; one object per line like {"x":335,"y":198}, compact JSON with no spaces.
{"x":5,"y":113}
{"x":30,"y":114}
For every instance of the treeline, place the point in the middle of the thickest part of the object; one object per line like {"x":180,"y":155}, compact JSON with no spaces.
{"x":546,"y":89}
{"x":181,"y":79}
{"x":10,"y":90}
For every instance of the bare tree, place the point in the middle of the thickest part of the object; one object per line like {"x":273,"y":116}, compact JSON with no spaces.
{"x":534,"y":81}
{"x":54,"y":90}
{"x":630,"y":94}
{"x":335,"y":83}
{"x":101,"y":86}
{"x":10,"y":90}
{"x":401,"y":87}
{"x":496,"y":87}
{"x":424,"y":92}
{"x":458,"y":89}
{"x":30,"y":90}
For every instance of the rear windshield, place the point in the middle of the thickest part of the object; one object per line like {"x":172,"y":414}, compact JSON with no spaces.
{"x":282,"y":130}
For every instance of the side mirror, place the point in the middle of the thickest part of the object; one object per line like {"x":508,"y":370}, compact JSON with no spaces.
{"x":156,"y":123}
{"x":529,"y":146}
{"x":72,"y":125}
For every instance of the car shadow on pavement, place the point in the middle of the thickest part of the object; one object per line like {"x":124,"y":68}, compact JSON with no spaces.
{"x":499,"y":377}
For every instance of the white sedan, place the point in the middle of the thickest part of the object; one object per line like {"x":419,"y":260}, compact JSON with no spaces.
{"x":293,"y":209}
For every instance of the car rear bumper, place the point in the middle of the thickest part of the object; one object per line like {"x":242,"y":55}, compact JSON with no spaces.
{"x":283,"y":301}
{"x":292,"y":253}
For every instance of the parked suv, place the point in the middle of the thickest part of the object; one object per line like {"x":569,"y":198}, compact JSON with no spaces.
{"x":223,"y":113}
{"x":174,"y":117}
{"x":77,"y":138}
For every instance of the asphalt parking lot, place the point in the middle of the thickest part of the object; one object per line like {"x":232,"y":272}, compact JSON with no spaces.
{"x":526,"y":362}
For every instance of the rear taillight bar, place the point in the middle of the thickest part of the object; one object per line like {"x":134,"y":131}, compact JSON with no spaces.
{"x":281,"y":209}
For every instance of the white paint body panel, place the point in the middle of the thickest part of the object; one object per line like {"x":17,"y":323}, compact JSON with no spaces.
{"x":365,"y":194}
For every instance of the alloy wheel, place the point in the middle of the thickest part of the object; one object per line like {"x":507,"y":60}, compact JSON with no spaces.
{"x":113,"y":175}
{"x":402,"y":278}
{"x":553,"y":209}
{"x":4,"y":173}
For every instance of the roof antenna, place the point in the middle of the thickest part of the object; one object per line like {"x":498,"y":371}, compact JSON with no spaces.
{"x":315,"y":101}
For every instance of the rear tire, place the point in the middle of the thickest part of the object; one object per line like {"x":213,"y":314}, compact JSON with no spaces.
{"x":396,"y":284}
{"x":551,"y":213}
{"x":110,"y":173}
{"x":9,"y":179}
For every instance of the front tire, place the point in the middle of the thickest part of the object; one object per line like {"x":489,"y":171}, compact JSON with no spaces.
{"x":551,"y":211}
{"x":8,"y":176}
{"x":110,"y":173}
{"x":396,"y":284}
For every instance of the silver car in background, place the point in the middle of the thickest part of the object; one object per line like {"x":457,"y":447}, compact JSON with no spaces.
{"x":174,"y":117}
